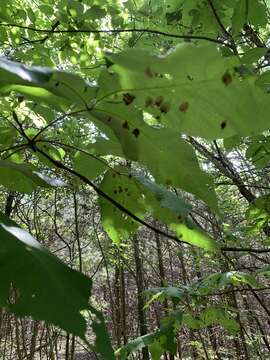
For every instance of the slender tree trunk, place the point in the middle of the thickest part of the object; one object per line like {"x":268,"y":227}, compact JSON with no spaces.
{"x":140,"y":298}
{"x":117,"y":312}
{"x":123,"y":304}
{"x":33,"y":340}
{"x":162,"y":277}
{"x":67,"y":347}
{"x":17,"y":334}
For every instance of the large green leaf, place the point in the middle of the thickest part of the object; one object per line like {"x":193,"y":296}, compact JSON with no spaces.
{"x":169,"y":158}
{"x":24,"y":177}
{"x":35,"y":283}
{"x":193,"y":90}
{"x":66,"y":87}
{"x":173,"y":211}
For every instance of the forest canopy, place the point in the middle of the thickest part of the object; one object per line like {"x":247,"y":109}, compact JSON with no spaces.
{"x":134,"y":175}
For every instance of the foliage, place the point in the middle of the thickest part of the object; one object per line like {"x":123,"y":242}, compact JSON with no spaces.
{"x":117,"y":106}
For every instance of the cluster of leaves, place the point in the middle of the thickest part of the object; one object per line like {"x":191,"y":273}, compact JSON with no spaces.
{"x":123,"y":129}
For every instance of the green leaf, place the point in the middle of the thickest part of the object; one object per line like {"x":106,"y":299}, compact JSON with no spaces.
{"x":231,"y":142}
{"x":162,"y":198}
{"x":70,"y":87}
{"x":7,"y":136}
{"x":172,"y":163}
{"x":257,"y":13}
{"x":253,"y":55}
{"x":24,"y":178}
{"x":173,"y":293}
{"x":210,"y":316}
{"x":121,"y":188}
{"x":163,"y":337}
{"x":102,"y":343}
{"x":240,"y":16}
{"x":194,"y":236}
{"x":217,"y":281}
{"x":89,"y":165}
{"x":137,"y":344}
{"x":40,"y":285}
{"x":95,"y":13}
{"x":173,"y":210}
{"x":184,"y":92}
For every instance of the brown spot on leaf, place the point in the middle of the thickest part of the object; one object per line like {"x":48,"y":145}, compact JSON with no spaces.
{"x":227,"y":78}
{"x":120,"y":189}
{"x":126,"y":189}
{"x":115,"y":191}
{"x":184,"y":107}
{"x":164,"y":108}
{"x":136,"y":132}
{"x":159,"y":101}
{"x":109,"y":119}
{"x":148,"y":72}
{"x":125,"y":125}
{"x":168,"y":182}
{"x":128,"y":98}
{"x":149,"y":102}
{"x":223,"y":125}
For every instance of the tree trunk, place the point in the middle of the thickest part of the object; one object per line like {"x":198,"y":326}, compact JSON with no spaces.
{"x":140,"y":297}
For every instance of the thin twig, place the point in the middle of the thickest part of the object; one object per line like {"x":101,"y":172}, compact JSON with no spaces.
{"x":119,"y":31}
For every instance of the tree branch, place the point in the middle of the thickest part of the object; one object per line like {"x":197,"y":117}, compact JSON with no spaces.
{"x":120,"y":207}
{"x":119,"y":31}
